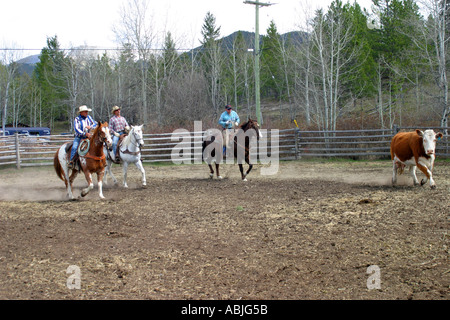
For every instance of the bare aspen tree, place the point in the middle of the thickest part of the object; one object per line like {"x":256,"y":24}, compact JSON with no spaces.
{"x":436,"y":31}
{"x":8,"y":70}
{"x":331,"y":36}
{"x":136,"y":30}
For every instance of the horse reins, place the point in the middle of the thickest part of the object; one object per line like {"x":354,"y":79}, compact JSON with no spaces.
{"x":136,"y":145}
{"x":95,"y":157}
{"x":102,"y":141}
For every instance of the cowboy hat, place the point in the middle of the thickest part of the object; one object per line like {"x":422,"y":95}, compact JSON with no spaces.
{"x":83,"y":108}
{"x":115,"y":108}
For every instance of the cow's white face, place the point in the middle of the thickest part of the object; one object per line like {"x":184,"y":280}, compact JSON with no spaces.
{"x":429,"y":140}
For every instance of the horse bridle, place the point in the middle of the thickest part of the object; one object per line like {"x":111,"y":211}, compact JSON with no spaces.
{"x":102,"y":141}
{"x":135,"y":138}
{"x":136,"y":145}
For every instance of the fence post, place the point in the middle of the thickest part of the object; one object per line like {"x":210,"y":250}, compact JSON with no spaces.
{"x":17,"y":145}
{"x":396,"y":129}
{"x":297,"y":133}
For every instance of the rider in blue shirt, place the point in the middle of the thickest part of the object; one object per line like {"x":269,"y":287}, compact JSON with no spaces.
{"x":229,"y":119}
{"x":82,"y":124}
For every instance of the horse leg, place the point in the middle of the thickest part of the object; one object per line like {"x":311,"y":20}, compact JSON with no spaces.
{"x":141,"y":168}
{"x":70,"y":182}
{"x":250,"y":166}
{"x":211,"y":171}
{"x":63,"y":163}
{"x":90,"y":186}
{"x":67,"y":183}
{"x":241,"y":169}
{"x":100,"y":184}
{"x":108,"y":171}
{"x":105,"y":177}
{"x":124,"y":169}
{"x":217,"y":172}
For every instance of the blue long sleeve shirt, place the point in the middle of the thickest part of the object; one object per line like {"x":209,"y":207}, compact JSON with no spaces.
{"x":80,"y":123}
{"x":224,"y":117}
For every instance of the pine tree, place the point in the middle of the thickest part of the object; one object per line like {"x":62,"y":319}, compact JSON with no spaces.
{"x":212,"y":58}
{"x":48,"y":76}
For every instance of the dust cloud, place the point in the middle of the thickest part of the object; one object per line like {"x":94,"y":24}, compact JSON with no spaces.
{"x":37,"y":186}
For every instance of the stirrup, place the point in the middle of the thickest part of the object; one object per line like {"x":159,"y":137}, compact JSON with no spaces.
{"x":115,"y":160}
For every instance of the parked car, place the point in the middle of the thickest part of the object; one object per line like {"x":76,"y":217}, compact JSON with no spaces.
{"x":31,"y":131}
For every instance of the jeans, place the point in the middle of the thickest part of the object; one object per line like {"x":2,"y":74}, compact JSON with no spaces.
{"x":115,"y":141}
{"x":76,"y":143}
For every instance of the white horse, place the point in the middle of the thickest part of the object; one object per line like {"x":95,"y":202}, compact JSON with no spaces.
{"x":130,"y":152}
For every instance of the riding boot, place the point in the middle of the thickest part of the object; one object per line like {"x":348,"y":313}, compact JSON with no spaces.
{"x":117,"y":156}
{"x":71,"y":165}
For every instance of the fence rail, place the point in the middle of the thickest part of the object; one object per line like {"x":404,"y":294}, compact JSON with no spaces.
{"x":289,"y":144}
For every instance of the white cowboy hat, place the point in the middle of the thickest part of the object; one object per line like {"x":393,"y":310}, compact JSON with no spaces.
{"x":84,"y":108}
{"x":115,"y":108}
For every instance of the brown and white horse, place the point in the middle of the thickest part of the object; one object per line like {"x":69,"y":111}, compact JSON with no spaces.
{"x":212,"y":148}
{"x":93,"y":162}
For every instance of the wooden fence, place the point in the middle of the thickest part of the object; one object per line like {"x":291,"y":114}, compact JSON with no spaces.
{"x":290,"y":144}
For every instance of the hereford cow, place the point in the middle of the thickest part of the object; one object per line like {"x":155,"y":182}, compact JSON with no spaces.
{"x":415,"y":149}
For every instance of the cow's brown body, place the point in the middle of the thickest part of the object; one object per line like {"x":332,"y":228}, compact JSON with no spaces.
{"x":417,"y":150}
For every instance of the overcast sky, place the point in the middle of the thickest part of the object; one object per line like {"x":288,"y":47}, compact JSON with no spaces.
{"x":26,"y":24}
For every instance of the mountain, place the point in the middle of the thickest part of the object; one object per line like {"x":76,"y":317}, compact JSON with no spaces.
{"x":27,"y":64}
{"x":296,"y":37}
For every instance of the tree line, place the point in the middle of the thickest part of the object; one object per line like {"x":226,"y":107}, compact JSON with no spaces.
{"x":346,"y":66}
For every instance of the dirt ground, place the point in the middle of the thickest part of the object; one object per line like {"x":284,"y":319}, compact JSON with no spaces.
{"x":312,"y":231}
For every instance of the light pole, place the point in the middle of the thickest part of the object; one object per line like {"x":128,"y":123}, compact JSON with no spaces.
{"x":257,"y":52}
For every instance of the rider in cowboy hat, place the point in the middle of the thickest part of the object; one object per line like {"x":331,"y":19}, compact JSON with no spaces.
{"x":228,"y":119}
{"x":82,"y":124}
{"x":118,"y":125}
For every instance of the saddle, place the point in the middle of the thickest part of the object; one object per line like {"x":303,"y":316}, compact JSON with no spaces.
{"x":119,"y":144}
{"x":76,"y":158}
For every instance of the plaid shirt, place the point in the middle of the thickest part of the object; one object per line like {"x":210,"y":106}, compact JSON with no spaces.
{"x":117,"y":124}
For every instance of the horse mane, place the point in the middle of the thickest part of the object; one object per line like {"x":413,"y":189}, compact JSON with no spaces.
{"x":245,"y":125}
{"x":96,"y":129}
{"x":126,"y":141}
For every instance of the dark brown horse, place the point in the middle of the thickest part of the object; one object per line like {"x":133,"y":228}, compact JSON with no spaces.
{"x":212,"y":148}
{"x":94,"y":161}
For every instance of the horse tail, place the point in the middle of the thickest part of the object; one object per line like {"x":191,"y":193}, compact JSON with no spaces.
{"x":57,"y":166}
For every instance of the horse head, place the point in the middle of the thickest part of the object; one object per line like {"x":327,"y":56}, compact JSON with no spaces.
{"x":252,"y":124}
{"x":136,"y":132}
{"x":103,"y":134}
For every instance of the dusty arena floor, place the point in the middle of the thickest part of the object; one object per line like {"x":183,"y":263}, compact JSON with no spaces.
{"x":309,"y":232}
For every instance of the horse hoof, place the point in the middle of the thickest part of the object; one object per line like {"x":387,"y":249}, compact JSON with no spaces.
{"x":211,"y":175}
{"x":433,"y":186}
{"x":245,"y":179}
{"x":219,"y":177}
